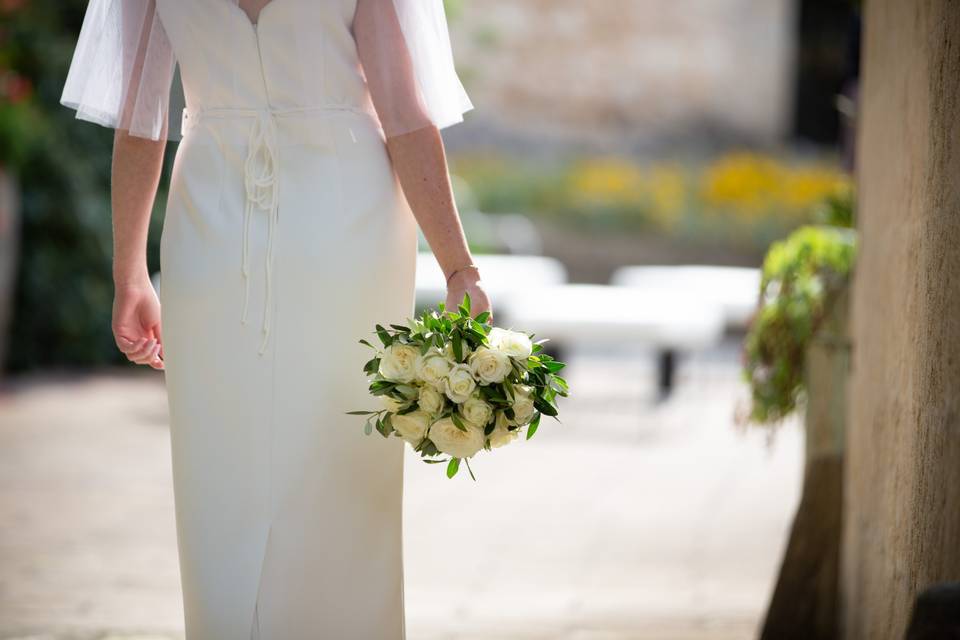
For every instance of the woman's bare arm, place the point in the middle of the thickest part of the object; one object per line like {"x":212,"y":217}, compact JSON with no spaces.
{"x":420,"y":163}
{"x":415,"y":147}
{"x":135,"y":175}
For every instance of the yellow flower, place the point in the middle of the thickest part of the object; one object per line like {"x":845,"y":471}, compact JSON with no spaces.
{"x":607,"y":181}
{"x":751,"y":186}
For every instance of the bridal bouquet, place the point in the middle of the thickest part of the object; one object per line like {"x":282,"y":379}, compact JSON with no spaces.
{"x":452,"y":385}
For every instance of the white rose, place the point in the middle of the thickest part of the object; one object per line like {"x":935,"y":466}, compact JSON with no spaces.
{"x":398,"y":362}
{"x":512,"y":343}
{"x":489,"y":365}
{"x":391,"y":404}
{"x":452,"y":441}
{"x":459,"y":383}
{"x":432,"y":367}
{"x":523,"y":408}
{"x":501,"y":435}
{"x":430,"y":400}
{"x":477,"y":411}
{"x":411,"y":426}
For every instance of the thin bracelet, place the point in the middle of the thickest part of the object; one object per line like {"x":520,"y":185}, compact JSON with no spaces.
{"x":456,"y":271}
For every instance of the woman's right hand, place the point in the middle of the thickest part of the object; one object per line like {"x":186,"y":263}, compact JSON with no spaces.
{"x":136,"y":322}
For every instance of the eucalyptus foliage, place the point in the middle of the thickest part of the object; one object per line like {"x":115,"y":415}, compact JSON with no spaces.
{"x":458,"y":338}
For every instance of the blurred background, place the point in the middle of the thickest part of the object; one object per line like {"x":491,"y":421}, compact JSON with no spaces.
{"x":636,"y":179}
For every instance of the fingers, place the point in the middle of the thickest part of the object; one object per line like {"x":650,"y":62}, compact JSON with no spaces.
{"x":128,"y":345}
{"x":159,"y":333}
{"x":151,"y":357}
{"x":142,"y":351}
{"x":147,"y":349}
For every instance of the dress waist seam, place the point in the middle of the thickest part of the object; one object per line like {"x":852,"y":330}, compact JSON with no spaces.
{"x":194,"y":115}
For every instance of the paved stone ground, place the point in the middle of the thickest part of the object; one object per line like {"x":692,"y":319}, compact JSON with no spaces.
{"x":631,"y":520}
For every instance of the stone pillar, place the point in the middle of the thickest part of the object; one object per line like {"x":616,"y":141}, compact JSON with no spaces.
{"x":902,"y":474}
{"x":804,"y":601}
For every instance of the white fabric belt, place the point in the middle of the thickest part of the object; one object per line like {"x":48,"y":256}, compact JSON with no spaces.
{"x":260,"y":180}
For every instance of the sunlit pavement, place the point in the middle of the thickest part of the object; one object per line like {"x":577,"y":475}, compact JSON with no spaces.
{"x":630,"y":520}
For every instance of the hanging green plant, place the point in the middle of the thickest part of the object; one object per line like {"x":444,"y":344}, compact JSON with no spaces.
{"x":802,"y":275}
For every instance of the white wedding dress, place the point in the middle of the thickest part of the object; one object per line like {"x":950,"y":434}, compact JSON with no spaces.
{"x":286,"y":238}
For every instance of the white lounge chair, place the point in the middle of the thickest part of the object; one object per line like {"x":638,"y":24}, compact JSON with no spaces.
{"x":734,"y":289}
{"x":665,"y":321}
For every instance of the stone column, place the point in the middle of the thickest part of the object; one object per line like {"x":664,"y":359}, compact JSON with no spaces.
{"x":902,"y":475}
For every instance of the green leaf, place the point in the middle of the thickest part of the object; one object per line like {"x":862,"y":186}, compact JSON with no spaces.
{"x":545,"y":407}
{"x":372,"y":366}
{"x":401,"y":328}
{"x":425,"y":346}
{"x":458,"y":422}
{"x":560,"y":382}
{"x":553,"y":365}
{"x":388,"y":424}
{"x":467,"y":460}
{"x":361,"y":413}
{"x":532,"y":427}
{"x":490,"y":392}
{"x":379,"y":391}
{"x":466,"y":303}
{"x":457,"y":346}
{"x":479,"y":336}
{"x":384,"y":426}
{"x":362,"y":341}
{"x":434,"y":461}
{"x":452,"y":467}
{"x":482,"y":317}
{"x":368,"y":427}
{"x":384,"y":336}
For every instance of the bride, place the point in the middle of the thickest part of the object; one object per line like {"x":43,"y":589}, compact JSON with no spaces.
{"x":309,"y":151}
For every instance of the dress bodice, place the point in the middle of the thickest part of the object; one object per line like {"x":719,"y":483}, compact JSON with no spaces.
{"x":300,"y":53}
{"x":393,"y":55}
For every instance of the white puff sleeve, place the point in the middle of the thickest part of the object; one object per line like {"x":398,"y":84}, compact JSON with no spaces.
{"x":404,"y":49}
{"x":122,"y":69}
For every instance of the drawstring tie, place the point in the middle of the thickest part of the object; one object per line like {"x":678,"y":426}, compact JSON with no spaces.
{"x":260,"y":182}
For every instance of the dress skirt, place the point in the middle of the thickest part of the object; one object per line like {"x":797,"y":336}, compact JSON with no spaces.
{"x":288,"y":515}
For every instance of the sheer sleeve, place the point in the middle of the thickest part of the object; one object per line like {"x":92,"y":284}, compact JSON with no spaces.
{"x":122,"y":69}
{"x":404,"y":48}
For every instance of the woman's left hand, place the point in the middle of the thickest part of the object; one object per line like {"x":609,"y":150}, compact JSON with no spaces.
{"x":468,"y":282}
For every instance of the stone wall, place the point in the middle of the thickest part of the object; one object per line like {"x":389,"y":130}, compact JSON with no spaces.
{"x":628,"y":71}
{"x":902,"y":517}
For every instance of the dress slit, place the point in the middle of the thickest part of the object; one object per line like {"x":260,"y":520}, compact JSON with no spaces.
{"x":255,"y":623}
